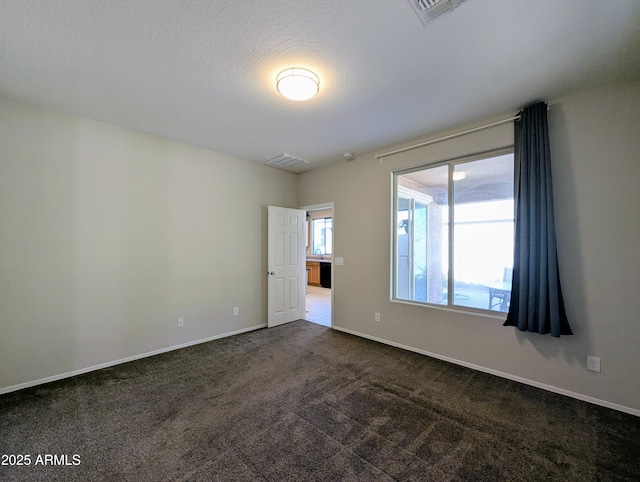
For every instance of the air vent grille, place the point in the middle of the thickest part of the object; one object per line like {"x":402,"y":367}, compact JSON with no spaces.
{"x":285,"y":161}
{"x":427,"y":10}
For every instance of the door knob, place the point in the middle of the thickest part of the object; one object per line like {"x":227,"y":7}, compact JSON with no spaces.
{"x":271,"y":273}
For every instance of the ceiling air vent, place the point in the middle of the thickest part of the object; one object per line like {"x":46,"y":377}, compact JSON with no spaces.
{"x":427,"y":10}
{"x":285,"y":161}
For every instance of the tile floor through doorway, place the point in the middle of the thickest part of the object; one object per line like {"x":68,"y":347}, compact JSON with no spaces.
{"x":318,"y":305}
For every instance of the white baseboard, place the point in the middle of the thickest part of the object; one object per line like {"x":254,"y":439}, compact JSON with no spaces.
{"x":550,"y":388}
{"x":54,"y":378}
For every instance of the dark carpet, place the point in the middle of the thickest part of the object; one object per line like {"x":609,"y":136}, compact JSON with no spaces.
{"x":303,"y":402}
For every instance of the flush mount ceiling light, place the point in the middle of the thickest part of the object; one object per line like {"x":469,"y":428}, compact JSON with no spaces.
{"x":297,"y":84}
{"x":459,"y":175}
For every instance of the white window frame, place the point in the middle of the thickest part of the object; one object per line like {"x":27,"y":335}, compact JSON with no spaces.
{"x":313,"y":241}
{"x":413,"y":196}
{"x":396,"y":190}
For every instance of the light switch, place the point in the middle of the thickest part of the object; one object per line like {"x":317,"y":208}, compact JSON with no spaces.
{"x":339,"y":261}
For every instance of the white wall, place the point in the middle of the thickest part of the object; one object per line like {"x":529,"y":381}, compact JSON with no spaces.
{"x":107,"y":236}
{"x":596,"y":154}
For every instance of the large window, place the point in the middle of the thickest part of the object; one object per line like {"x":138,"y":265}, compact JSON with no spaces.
{"x":453,"y":242}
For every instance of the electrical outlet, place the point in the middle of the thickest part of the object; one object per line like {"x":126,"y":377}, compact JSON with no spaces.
{"x":236,"y":311}
{"x":180,"y":321}
{"x":377,"y":317}
{"x":593,"y":363}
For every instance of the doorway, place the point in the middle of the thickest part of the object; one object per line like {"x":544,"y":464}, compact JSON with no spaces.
{"x":319,"y":252}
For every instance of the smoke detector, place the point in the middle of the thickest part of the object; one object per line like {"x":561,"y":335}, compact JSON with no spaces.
{"x":427,"y":10}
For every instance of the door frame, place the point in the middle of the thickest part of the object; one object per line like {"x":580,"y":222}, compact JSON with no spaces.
{"x":314,"y":207}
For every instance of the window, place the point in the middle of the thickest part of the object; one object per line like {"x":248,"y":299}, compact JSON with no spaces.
{"x":322,"y":236}
{"x":454,"y":228}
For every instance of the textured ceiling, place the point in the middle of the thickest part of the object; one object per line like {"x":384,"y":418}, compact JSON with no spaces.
{"x":202,"y":72}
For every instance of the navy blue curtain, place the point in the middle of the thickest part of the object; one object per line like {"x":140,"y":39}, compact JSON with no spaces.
{"x":536,"y":297}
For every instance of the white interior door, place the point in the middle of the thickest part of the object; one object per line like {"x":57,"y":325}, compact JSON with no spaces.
{"x":286,"y":269}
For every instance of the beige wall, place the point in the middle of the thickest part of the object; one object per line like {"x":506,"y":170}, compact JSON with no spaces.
{"x":596,"y":149}
{"x":107,"y":236}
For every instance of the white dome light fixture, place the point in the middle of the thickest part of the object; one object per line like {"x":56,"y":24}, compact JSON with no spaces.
{"x":459,"y":175}
{"x":298,"y":84}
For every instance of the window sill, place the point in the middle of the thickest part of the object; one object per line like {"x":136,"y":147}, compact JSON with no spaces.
{"x":494,"y":315}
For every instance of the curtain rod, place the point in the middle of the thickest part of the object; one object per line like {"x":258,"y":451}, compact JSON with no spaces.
{"x":451,"y":136}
